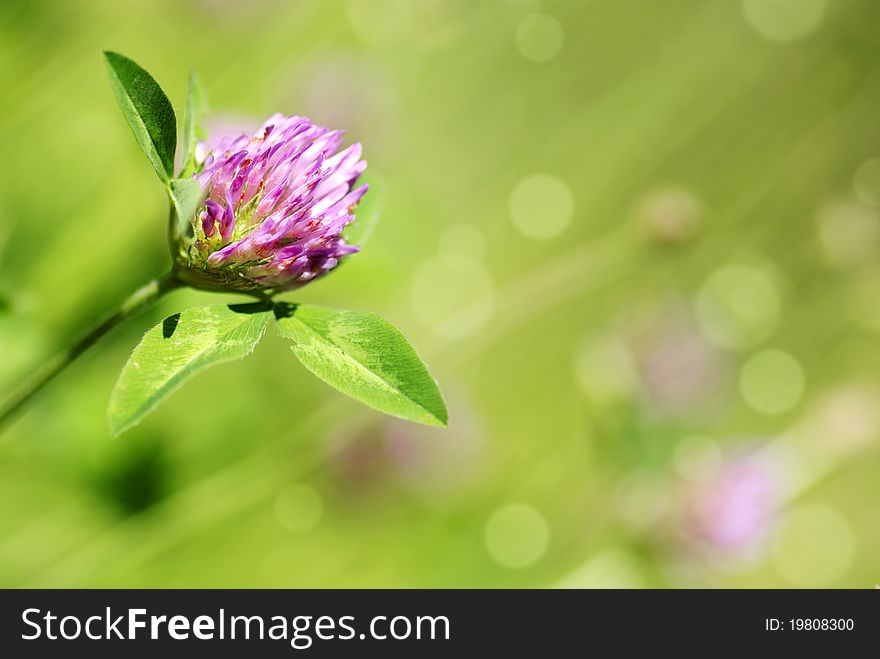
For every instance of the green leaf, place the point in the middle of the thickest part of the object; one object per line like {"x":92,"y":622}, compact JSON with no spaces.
{"x":147,"y":110}
{"x":178,"y":348}
{"x":186,"y":195}
{"x":367,"y":213}
{"x":196,"y":105}
{"x":363,"y":355}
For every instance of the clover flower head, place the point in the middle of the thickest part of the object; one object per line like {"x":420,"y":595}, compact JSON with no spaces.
{"x":275,"y":207}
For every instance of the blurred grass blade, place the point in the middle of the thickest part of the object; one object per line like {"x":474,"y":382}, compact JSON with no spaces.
{"x":178,"y":348}
{"x":147,"y":110}
{"x":196,"y":106}
{"x":186,"y":195}
{"x":362,"y":355}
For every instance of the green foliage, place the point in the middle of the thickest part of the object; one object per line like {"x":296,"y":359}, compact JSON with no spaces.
{"x":362,"y":355}
{"x":186,"y":195}
{"x":196,"y":106}
{"x":178,"y":348}
{"x":147,"y":110}
{"x":359,"y":353}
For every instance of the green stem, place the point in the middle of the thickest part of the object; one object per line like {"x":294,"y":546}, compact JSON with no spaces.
{"x":139,"y":301}
{"x":172,"y":242}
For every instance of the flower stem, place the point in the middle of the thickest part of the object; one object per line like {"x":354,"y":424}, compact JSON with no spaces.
{"x":139,"y":301}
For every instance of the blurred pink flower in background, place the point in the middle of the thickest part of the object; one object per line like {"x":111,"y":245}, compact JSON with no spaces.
{"x":436,"y":459}
{"x":669,"y":215}
{"x":732,"y":513}
{"x":357,"y":459}
{"x":680,"y":371}
{"x":368,"y":457}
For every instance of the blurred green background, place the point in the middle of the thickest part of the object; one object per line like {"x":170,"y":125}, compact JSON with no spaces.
{"x":636,"y":241}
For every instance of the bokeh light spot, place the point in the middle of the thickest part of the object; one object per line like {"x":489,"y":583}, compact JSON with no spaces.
{"x":539,"y":37}
{"x":738,"y":306}
{"x":771,"y":382}
{"x":848,"y":232}
{"x":541,"y":206}
{"x":815,"y":547}
{"x":784,"y":20}
{"x":299,"y":507}
{"x":516,"y":535}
